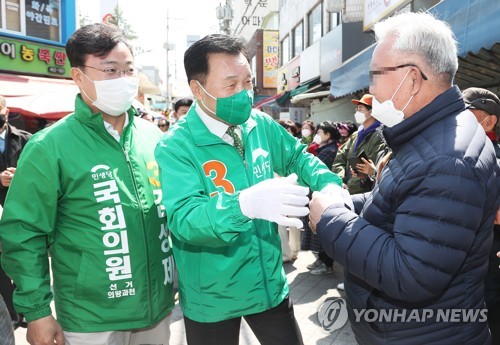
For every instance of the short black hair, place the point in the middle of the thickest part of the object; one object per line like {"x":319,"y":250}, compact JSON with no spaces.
{"x":95,"y":39}
{"x":183,"y":102}
{"x":331,"y":128}
{"x":196,"y":56}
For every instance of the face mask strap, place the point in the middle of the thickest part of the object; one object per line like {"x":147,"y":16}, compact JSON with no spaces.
{"x":83,"y":91}
{"x":209,"y":95}
{"x":399,"y":86}
{"x":407,"y":103}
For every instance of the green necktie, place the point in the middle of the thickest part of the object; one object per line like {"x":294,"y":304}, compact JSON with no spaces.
{"x":238,"y":144}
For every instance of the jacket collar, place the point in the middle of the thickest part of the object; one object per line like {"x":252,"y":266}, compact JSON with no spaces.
{"x":446,"y":104}
{"x":11,"y":130}
{"x":84,"y":114}
{"x":201,"y":134}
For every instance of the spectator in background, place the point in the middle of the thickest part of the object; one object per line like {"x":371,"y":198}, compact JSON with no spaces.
{"x":290,"y":127}
{"x":307,"y":132}
{"x":164,"y":125}
{"x":366,"y":139}
{"x":326,"y":139}
{"x":420,"y":241}
{"x":12,"y":141}
{"x":6,"y":322}
{"x":485,"y":106}
{"x":346,"y":129}
{"x":181,"y":108}
{"x":6,"y":330}
{"x":146,"y":116}
{"x":87,"y":186}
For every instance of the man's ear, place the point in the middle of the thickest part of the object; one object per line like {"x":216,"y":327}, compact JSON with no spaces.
{"x":490,"y":123}
{"x":417,"y":80}
{"x":77,"y":76}
{"x":196,"y":89}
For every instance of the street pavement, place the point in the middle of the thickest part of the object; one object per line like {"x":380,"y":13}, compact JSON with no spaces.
{"x":308,"y":292}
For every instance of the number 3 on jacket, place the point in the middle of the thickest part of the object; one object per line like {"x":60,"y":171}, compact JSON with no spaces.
{"x":217,"y":171}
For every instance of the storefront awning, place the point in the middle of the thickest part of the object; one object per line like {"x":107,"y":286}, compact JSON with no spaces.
{"x":267,"y":100}
{"x":46,"y":98}
{"x":305,"y":87}
{"x":352,"y":75}
{"x":309,"y":95}
{"x":475,"y":27}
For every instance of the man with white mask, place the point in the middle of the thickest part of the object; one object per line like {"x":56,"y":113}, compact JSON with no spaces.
{"x":88,"y":188}
{"x":416,"y":248}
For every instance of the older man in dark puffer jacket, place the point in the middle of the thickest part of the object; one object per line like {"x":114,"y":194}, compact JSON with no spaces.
{"x":416,"y":249}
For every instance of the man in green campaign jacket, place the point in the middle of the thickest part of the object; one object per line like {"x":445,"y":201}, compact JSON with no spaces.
{"x":87,"y":187}
{"x":217,"y":169}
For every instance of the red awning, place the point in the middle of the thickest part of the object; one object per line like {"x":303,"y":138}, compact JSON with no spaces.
{"x":46,"y":98}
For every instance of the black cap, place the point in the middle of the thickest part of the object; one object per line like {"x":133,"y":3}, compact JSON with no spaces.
{"x":477,"y":98}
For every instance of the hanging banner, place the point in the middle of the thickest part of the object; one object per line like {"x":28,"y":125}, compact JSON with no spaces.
{"x":270,"y":57}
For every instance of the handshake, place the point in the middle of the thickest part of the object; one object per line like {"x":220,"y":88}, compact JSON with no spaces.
{"x":282,"y":200}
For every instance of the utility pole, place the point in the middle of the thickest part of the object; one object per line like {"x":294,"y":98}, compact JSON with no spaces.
{"x":225,"y":16}
{"x":168,"y":63}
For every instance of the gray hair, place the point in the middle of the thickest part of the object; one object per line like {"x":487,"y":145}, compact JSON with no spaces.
{"x":423,"y":35}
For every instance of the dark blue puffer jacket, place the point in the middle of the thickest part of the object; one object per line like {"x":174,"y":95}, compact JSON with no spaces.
{"x":422,"y":239}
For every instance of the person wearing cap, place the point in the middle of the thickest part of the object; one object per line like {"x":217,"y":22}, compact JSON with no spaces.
{"x":485,"y":106}
{"x":366,"y":139}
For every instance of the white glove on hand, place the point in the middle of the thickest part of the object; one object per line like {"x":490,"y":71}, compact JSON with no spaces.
{"x":275,"y":200}
{"x":338,"y":195}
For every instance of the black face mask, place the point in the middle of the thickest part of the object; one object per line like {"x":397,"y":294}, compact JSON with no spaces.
{"x":2,"y":120}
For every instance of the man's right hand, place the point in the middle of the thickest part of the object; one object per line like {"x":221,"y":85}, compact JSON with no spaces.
{"x":279,"y":200}
{"x":45,"y":331}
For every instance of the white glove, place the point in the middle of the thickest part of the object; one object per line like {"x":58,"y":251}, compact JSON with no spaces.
{"x":275,"y":200}
{"x":338,"y":195}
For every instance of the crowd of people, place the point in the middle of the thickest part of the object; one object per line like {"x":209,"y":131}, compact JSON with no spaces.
{"x":115,"y":204}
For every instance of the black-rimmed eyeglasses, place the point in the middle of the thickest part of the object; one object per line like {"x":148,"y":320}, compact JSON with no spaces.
{"x":383,"y":70}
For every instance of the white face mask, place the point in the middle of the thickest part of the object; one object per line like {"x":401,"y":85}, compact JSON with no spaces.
{"x":386,"y":112}
{"x":306,"y":132}
{"x":317,"y":139}
{"x":359,"y":117}
{"x":114,"y":96}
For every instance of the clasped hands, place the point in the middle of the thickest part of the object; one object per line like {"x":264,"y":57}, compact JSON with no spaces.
{"x":282,"y":201}
{"x":330,"y":195}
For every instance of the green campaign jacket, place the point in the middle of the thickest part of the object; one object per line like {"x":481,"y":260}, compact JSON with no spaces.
{"x":228,"y":264}
{"x":97,"y":204}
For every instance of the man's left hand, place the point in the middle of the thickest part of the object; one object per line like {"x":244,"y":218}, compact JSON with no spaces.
{"x":6,"y":176}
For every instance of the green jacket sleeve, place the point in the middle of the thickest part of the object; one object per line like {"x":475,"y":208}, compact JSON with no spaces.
{"x":27,"y":223}
{"x":290,"y":156}
{"x":193,"y":216}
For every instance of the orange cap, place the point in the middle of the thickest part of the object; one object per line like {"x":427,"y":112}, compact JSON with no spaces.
{"x":366,"y":100}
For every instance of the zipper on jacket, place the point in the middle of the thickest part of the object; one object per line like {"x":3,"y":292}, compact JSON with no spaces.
{"x":131,"y":170}
{"x":259,"y":240}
